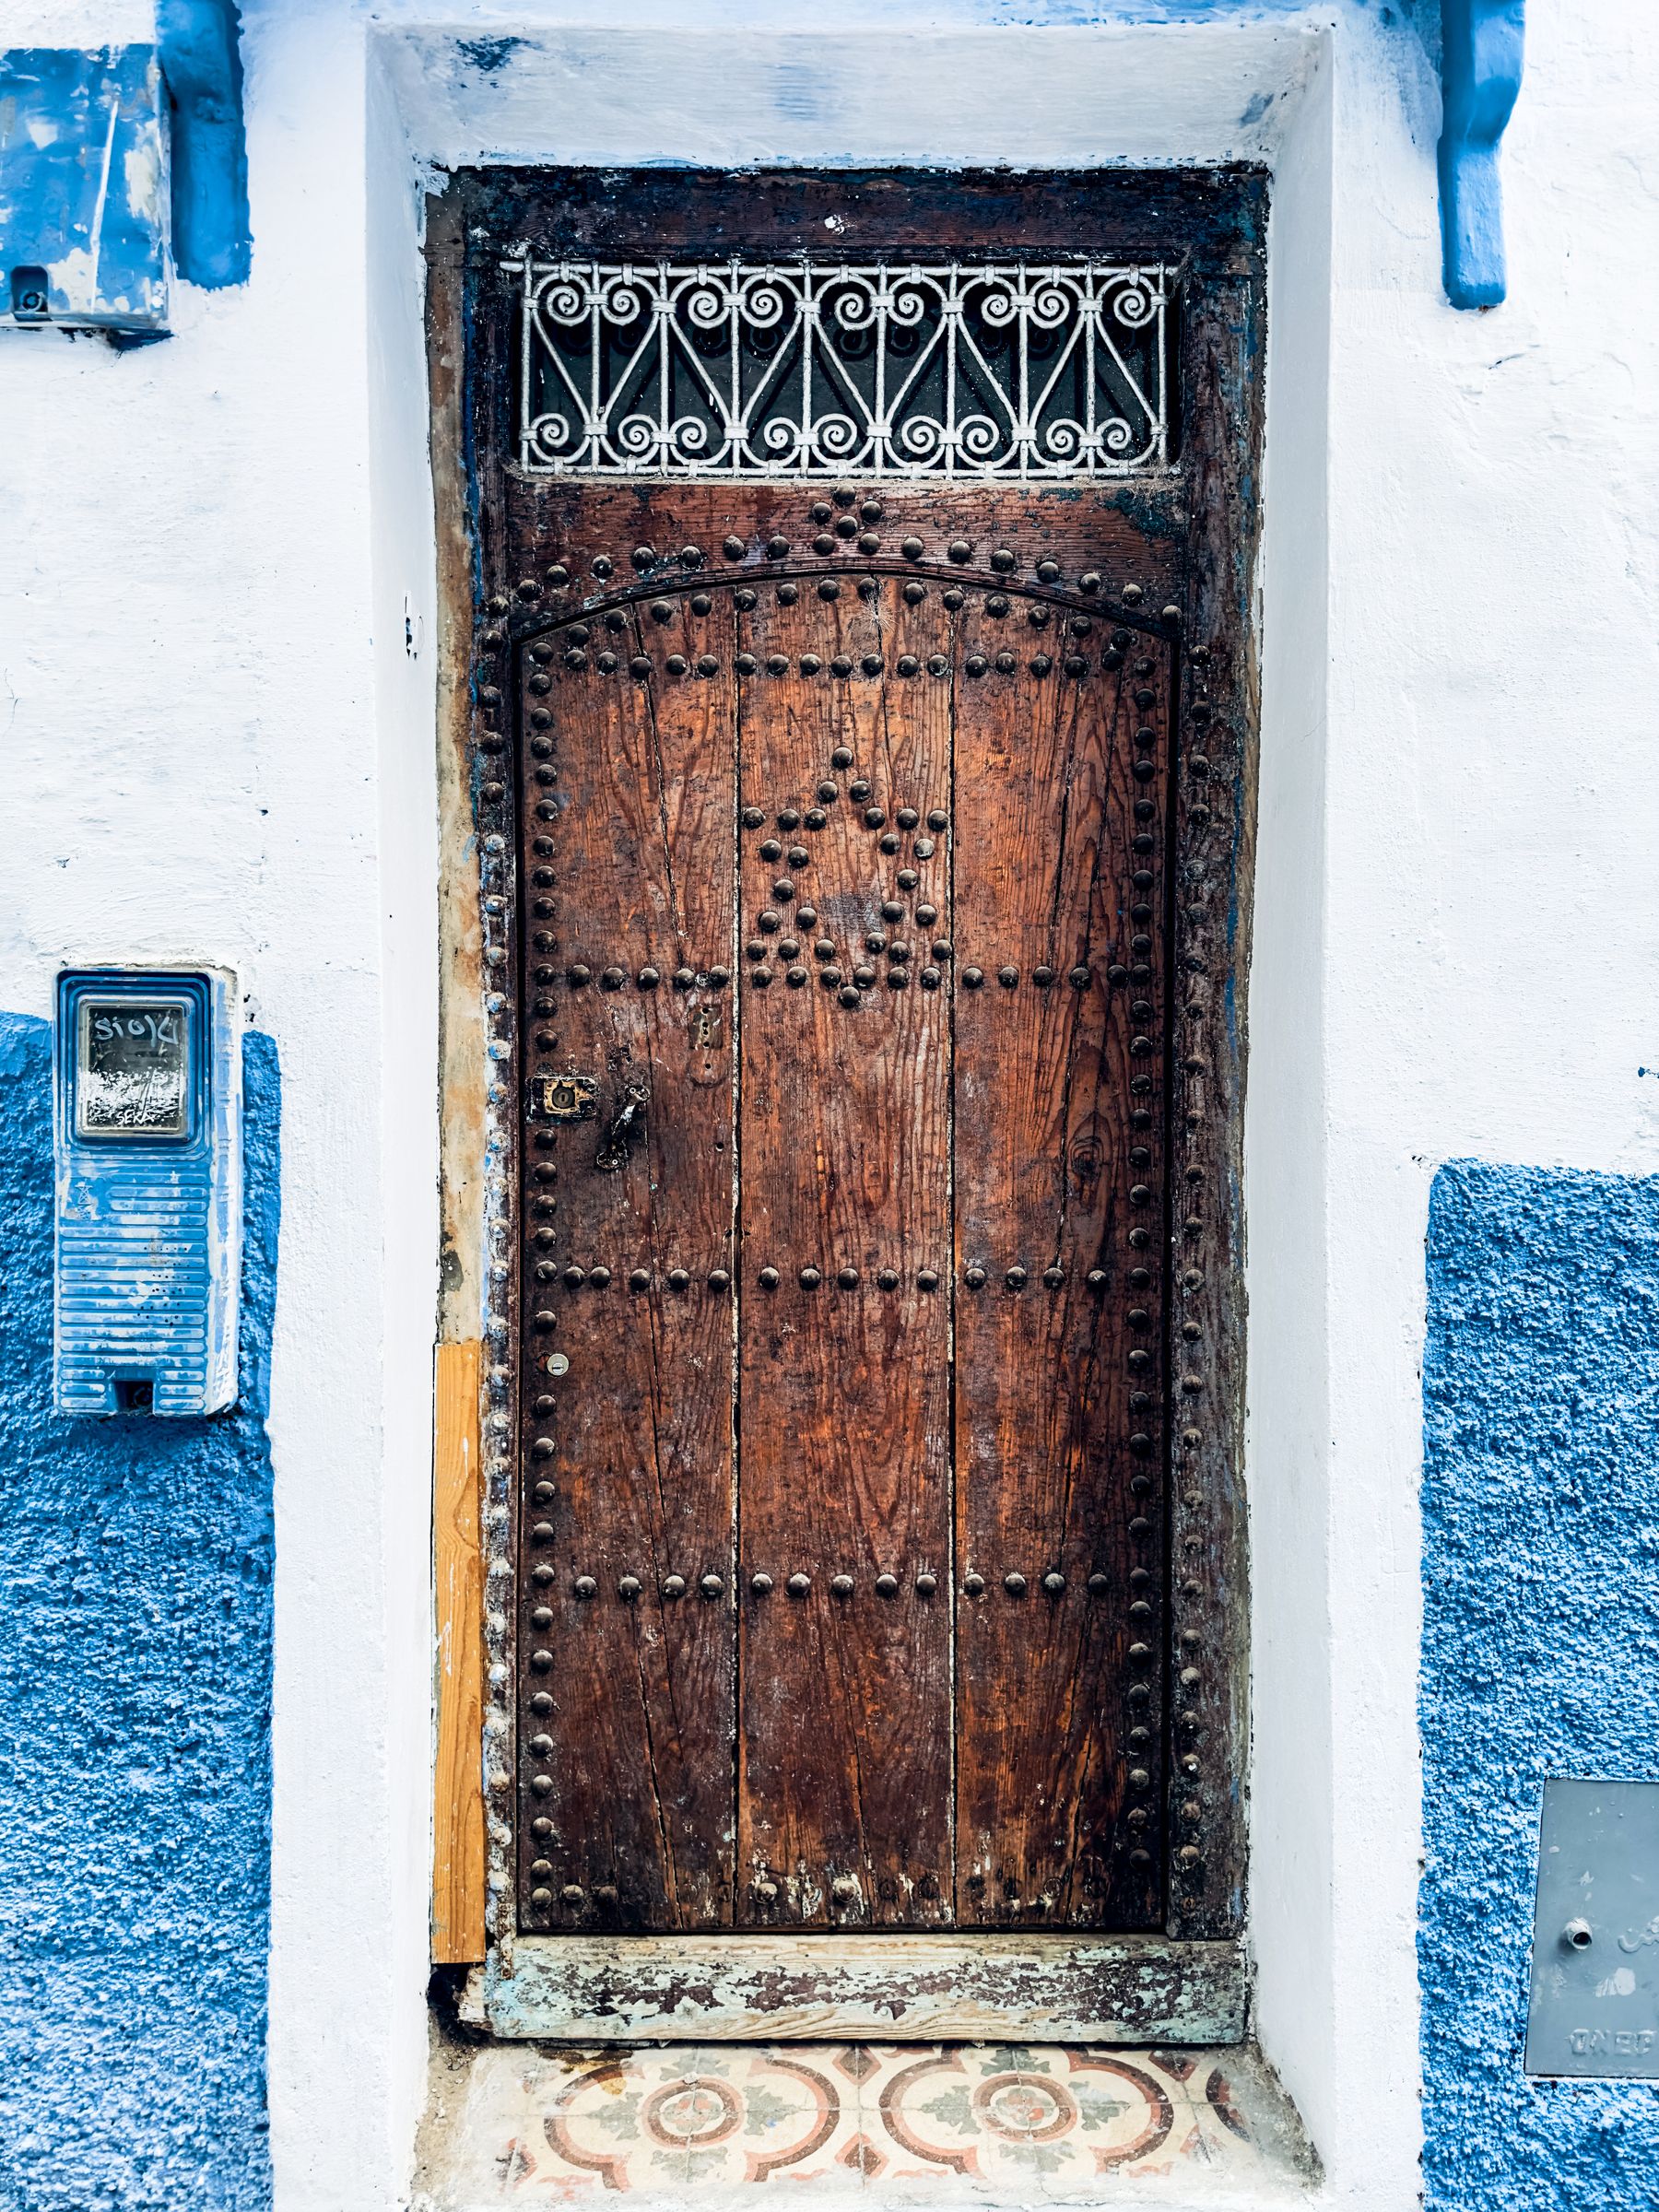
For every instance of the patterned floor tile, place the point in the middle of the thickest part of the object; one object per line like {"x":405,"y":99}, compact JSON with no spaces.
{"x":1038,"y":2116}
{"x":1011,"y":2124}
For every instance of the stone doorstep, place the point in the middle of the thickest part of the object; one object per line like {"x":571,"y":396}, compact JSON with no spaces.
{"x":711,"y":2124}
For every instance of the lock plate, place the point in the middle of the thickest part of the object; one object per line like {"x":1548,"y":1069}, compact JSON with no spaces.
{"x":1595,"y":2008}
{"x":565,"y":1098}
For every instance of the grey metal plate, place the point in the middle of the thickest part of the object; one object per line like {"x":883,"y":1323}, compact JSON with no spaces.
{"x":1594,"y":2007}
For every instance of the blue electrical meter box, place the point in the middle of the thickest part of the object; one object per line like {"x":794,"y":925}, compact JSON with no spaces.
{"x":147,"y":1130}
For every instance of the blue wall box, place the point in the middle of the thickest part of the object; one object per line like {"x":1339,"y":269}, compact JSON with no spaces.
{"x":147,"y":1136}
{"x":83,"y":190}
{"x":113,"y":156}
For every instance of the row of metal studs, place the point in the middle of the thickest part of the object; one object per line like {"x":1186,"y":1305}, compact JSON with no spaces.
{"x":1188,"y":1858}
{"x":1052,"y":1584}
{"x":490,"y":694}
{"x":974,"y":1276}
{"x":500,"y":1457}
{"x":845,"y":1889}
{"x":572,"y":636}
{"x":640,"y":666}
{"x":1040,"y":611}
{"x":575,"y":633}
{"x":1140,"y":1734}
{"x":845,"y":539}
{"x":577,"y":975}
{"x":541,"y":1700}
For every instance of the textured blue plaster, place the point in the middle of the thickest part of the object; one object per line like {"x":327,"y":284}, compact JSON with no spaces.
{"x":136,"y":1561}
{"x":1540,"y":1647}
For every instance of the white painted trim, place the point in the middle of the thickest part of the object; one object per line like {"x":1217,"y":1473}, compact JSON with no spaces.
{"x":578,"y":88}
{"x":1291,"y":1894}
{"x":404,"y":614}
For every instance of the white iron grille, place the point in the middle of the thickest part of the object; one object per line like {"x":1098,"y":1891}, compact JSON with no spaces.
{"x":1015,"y":370}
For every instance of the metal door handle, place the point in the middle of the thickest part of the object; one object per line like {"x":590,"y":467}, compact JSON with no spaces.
{"x":612,"y":1154}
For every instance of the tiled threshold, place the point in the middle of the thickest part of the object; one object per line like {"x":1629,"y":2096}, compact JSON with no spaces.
{"x":715,"y":2125}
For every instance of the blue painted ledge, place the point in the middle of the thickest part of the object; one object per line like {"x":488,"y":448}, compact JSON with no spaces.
{"x":1482,"y":42}
{"x":135,"y":1573}
{"x":201,"y":59}
{"x":1540,"y":1512}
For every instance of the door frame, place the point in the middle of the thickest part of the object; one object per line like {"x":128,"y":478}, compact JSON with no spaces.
{"x":1186,"y":1984}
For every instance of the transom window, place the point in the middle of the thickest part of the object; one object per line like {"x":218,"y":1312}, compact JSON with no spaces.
{"x":1012,"y":370}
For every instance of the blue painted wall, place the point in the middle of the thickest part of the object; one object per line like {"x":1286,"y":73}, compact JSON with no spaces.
{"x":1540,"y":1647}
{"x":136,"y":1566}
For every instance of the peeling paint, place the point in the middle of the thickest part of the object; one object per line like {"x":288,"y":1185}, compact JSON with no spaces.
{"x":895,"y":1988}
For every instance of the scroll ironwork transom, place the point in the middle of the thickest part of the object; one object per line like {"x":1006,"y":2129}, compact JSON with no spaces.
{"x":1013,"y":371}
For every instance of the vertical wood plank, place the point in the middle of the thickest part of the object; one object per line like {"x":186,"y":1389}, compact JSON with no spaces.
{"x":458,"y":1798}
{"x":844,"y":1777}
{"x":1213,"y":806}
{"x":627,"y":1508}
{"x":1060,"y":739}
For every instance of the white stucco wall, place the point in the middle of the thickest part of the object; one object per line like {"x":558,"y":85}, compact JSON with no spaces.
{"x":217,"y":744}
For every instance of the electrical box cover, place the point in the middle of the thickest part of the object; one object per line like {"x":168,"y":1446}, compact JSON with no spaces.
{"x":84,"y":189}
{"x":1594,"y":2007}
{"x":147,"y":1127}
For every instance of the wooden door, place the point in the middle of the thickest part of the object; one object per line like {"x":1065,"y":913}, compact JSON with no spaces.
{"x":844,"y":1176}
{"x":847,"y":805}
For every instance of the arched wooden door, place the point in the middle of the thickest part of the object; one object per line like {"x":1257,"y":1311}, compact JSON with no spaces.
{"x":844,"y":1273}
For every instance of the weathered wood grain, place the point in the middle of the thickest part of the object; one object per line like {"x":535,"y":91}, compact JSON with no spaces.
{"x":845,"y":764}
{"x":558,"y":524}
{"x":982,"y":1988}
{"x":1049,"y":1753}
{"x":844,"y":1802}
{"x":628,"y":1450}
{"x":1215,"y":816}
{"x":1132,"y":214}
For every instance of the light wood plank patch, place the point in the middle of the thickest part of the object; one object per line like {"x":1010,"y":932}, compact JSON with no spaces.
{"x":458,"y":1800}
